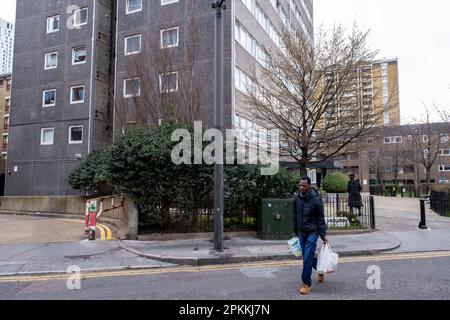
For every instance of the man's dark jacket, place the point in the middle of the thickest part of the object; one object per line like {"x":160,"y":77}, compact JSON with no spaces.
{"x":309,"y":214}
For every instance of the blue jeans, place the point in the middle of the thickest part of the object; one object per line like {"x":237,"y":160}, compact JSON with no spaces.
{"x":308,"y":242}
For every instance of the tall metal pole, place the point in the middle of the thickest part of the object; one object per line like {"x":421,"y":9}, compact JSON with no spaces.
{"x":218,"y":123}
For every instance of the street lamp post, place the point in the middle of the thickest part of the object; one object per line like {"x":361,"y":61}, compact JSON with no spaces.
{"x":218,"y":6}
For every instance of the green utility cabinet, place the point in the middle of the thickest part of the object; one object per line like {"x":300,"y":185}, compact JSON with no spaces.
{"x":275,"y":220}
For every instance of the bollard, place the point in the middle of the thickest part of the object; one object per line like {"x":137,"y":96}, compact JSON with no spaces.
{"x":92,"y":219}
{"x":86,"y":218}
{"x":423,"y":223}
{"x":372,"y":213}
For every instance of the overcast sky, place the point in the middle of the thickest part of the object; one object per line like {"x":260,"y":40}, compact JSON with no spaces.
{"x":415,"y":31}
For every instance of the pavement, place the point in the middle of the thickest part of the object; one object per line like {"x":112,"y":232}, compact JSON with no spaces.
{"x":90,"y":256}
{"x":398,"y":221}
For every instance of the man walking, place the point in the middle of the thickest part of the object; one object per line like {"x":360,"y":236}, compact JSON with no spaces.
{"x":309,"y":224}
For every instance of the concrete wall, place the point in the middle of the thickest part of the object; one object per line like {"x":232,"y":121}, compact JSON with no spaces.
{"x":149,"y":22}
{"x":64,"y":205}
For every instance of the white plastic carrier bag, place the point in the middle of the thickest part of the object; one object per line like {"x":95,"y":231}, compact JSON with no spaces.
{"x":327,"y":260}
{"x":294,"y":244}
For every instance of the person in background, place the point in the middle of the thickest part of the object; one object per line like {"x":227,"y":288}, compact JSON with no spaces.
{"x":354,"y":194}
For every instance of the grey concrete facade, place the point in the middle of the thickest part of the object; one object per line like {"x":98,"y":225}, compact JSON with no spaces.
{"x":35,"y":169}
{"x":32,"y":168}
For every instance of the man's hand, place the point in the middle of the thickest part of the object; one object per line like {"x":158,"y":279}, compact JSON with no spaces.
{"x":325,"y":240}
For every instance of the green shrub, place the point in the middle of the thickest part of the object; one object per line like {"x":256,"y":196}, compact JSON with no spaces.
{"x":335,"y":182}
{"x":91,"y":175}
{"x":392,"y":189}
{"x":168,"y":196}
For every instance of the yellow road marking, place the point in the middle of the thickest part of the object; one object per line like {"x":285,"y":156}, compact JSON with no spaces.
{"x":105,"y":232}
{"x":102,"y":231}
{"x":177,"y":269}
{"x":108,"y":232}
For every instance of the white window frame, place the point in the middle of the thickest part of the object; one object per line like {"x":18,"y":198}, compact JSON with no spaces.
{"x":443,"y":154}
{"x":48,"y":55}
{"x":393,"y":140}
{"x":127,"y":11}
{"x":73,"y":55}
{"x":71,"y":94}
{"x":42,"y":137}
{"x":425,"y":138}
{"x":162,"y":38}
{"x":125,"y":95}
{"x":75,"y":25}
{"x":166,"y":2}
{"x":126,"y":44}
{"x":70,"y":137}
{"x":48,"y":24}
{"x":43,"y":99}
{"x":161,"y":84}
{"x":441,"y":168}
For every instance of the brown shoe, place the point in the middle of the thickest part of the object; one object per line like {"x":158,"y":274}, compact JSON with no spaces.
{"x":304,"y":289}
{"x":321,"y":278}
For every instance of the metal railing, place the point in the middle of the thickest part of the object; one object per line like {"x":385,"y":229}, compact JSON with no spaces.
{"x":338,"y":213}
{"x":440,"y":203}
{"x":405,"y":191}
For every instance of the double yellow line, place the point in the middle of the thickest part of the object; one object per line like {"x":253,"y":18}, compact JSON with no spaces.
{"x":218,"y":268}
{"x":105,"y":232}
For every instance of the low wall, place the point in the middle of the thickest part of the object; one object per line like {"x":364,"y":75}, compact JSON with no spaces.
{"x":64,"y":205}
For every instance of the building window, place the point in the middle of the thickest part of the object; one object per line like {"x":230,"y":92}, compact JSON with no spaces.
{"x":5,"y":141}
{"x":312,"y":174}
{"x":164,"y":2}
{"x":444,"y":167}
{"x":169,"y":37}
{"x":75,"y":134}
{"x":47,"y":136}
{"x":389,"y":140}
{"x":80,"y":17}
{"x":444,"y":138}
{"x":425,"y":138}
{"x":7,"y":104}
{"x":51,"y":60}
{"x":52,"y":24}
{"x":79,"y":55}
{"x":6,"y":123}
{"x":132,"y":45}
{"x":77,"y":94}
{"x":168,"y":82}
{"x":134,"y":6}
{"x":131,"y":88}
{"x":8,"y":85}
{"x":444,"y":152}
{"x":49,"y":98}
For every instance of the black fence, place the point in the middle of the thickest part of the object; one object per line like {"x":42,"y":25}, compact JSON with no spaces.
{"x":200,"y":220}
{"x":440,"y":203}
{"x":406,"y":191}
{"x":339,"y":215}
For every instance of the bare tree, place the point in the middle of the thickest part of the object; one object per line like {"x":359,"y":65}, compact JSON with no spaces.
{"x":164,"y":83}
{"x":424,"y":142}
{"x":307,"y":92}
{"x":377,"y":161}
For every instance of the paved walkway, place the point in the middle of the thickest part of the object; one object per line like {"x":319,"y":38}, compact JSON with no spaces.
{"x":24,"y":259}
{"x":397,"y":220}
